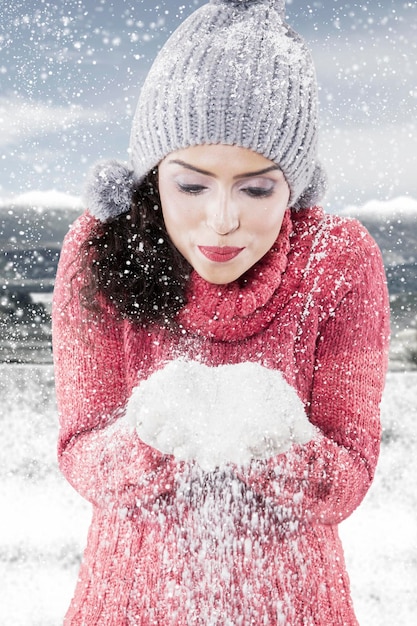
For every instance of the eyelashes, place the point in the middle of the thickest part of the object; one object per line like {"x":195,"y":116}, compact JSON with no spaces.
{"x":252,"y":192}
{"x":192,"y":190}
{"x":258,"y":192}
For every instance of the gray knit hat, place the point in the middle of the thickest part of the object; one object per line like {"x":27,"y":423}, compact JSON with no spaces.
{"x":232,"y":73}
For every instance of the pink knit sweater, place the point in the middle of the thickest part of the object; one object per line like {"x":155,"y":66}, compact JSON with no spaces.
{"x":256,"y":544}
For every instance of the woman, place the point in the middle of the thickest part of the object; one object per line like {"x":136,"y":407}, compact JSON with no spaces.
{"x":220,"y":345}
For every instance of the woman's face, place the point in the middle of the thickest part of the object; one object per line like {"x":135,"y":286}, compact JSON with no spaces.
{"x":223,"y":207}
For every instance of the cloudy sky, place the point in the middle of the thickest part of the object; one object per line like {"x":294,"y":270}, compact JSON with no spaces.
{"x":70,"y":74}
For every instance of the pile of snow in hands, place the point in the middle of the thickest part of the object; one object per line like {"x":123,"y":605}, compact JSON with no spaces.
{"x":218,"y":415}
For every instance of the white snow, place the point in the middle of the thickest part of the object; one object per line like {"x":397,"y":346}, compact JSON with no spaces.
{"x":44,"y":522}
{"x":230,"y":413}
{"x":377,"y":209}
{"x":51,"y":199}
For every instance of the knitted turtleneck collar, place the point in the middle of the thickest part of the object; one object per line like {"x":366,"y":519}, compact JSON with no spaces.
{"x":238,"y":309}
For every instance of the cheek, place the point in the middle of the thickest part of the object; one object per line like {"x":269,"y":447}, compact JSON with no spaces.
{"x":267,"y":222}
{"x":178,"y":219}
{"x":170,"y":208}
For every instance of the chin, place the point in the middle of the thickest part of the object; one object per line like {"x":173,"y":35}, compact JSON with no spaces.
{"x":220,"y":278}
{"x":219,"y":282}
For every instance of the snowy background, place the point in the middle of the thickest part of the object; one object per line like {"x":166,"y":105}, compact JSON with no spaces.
{"x":70,"y":73}
{"x":44,"y":522}
{"x":69,"y":78}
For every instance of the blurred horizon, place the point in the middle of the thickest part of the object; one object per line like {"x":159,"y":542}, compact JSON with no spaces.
{"x":70,"y":75}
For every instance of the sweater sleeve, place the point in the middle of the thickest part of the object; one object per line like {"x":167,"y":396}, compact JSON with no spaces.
{"x":327,"y":478}
{"x":104,"y":461}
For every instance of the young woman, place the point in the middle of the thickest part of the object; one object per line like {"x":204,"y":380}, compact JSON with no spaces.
{"x":220,"y":345}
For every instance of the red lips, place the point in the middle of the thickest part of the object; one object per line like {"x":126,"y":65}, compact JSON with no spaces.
{"x":220,"y":254}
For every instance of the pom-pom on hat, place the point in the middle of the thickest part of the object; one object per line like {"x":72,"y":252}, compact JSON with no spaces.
{"x":108,"y":189}
{"x":233,"y":73}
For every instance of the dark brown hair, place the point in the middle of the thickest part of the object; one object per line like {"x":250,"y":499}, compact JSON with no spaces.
{"x":132,"y":262}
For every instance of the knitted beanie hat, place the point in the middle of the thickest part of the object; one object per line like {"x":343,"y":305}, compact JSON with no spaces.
{"x":233,"y":73}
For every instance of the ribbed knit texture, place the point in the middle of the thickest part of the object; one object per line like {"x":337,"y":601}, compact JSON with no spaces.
{"x":234,"y":73}
{"x":256,"y":545}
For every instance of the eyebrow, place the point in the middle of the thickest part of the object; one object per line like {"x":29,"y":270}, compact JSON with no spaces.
{"x":188,"y":166}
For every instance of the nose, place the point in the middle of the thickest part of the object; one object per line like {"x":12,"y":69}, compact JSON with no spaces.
{"x":223,"y":215}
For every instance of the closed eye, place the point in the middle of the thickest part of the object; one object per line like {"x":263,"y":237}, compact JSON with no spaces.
{"x":191,"y":189}
{"x":258,"y":192}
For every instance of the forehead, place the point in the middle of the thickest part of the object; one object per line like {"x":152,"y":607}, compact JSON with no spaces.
{"x":214,"y":156}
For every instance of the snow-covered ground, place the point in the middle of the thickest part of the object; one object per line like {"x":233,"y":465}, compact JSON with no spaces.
{"x":44,"y":522}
